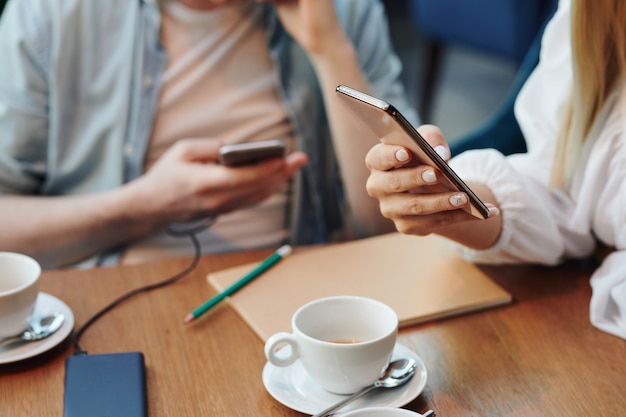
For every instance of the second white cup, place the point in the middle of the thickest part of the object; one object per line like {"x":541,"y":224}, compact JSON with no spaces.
{"x":343,"y":342}
{"x":19,"y":287}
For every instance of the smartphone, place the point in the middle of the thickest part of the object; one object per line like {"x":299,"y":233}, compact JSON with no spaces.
{"x":250,"y":152}
{"x":392,"y":128}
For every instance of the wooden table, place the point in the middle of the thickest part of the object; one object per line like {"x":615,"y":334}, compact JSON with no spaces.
{"x":538,"y":356}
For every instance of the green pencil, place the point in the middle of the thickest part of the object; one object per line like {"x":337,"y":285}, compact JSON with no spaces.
{"x":263,"y":266}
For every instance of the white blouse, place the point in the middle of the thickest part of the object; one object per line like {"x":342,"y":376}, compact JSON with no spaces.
{"x":543,"y":225}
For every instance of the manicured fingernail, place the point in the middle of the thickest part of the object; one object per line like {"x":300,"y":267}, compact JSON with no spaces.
{"x":494,"y":211}
{"x":429,"y":176}
{"x":458,"y":200}
{"x":402,"y":155}
{"x":443,"y":152}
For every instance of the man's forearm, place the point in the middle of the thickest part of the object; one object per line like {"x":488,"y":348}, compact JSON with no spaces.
{"x":62,"y":230}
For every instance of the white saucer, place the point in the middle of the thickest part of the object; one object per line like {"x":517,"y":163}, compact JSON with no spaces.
{"x":46,"y":304}
{"x":292,"y":387}
{"x":382,"y":412}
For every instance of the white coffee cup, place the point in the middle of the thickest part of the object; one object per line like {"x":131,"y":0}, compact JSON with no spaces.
{"x":344,"y":342}
{"x":19,"y":287}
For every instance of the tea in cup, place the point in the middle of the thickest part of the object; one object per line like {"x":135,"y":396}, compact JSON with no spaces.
{"x":343,"y":342}
{"x":19,"y":287}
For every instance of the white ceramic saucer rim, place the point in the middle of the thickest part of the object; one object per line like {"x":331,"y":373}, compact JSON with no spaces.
{"x":382,"y":412}
{"x":295,"y":397}
{"x":46,"y":303}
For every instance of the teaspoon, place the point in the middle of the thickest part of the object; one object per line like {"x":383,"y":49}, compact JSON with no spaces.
{"x":38,"y":330}
{"x":397,"y":373}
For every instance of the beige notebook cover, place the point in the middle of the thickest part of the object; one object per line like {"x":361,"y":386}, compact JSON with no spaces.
{"x":422,"y":278}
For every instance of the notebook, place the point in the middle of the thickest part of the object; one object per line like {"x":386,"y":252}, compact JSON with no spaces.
{"x":421,"y":278}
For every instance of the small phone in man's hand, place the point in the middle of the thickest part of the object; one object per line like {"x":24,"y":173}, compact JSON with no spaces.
{"x":250,"y":152}
{"x":392,"y":128}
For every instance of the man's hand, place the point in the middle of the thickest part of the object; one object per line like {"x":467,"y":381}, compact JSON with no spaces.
{"x":188,"y":183}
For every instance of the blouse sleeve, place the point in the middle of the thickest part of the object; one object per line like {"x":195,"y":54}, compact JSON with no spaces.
{"x":537,"y":228}
{"x":531,"y":232}
{"x":608,"y":302}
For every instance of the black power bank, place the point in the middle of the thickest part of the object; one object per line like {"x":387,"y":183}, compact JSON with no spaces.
{"x":112,"y":385}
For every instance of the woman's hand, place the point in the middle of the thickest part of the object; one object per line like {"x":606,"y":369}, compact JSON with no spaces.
{"x":412,"y":195}
{"x":187,"y":183}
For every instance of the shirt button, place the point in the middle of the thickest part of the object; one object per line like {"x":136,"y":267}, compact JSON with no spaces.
{"x":129,"y":150}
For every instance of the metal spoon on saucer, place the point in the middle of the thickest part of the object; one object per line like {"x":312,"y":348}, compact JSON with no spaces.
{"x":38,"y":330}
{"x":397,"y":373}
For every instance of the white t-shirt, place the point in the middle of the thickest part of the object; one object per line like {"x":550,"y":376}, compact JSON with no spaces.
{"x":219,"y":83}
{"x":542,"y":225}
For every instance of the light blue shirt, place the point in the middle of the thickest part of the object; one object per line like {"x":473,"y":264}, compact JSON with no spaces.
{"x":79,"y":88}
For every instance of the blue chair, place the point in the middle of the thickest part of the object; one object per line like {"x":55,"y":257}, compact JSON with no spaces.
{"x":509,"y":29}
{"x":501,"y":130}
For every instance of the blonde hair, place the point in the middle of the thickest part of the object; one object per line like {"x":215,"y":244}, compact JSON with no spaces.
{"x":599,"y":63}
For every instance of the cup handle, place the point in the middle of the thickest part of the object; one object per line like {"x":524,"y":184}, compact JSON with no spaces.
{"x":273,"y":342}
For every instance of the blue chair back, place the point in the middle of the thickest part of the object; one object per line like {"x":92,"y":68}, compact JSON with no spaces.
{"x":501,"y":130}
{"x":503,"y":27}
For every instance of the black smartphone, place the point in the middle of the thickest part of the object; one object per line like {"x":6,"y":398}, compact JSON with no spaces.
{"x":251,"y":152}
{"x":391,"y":127}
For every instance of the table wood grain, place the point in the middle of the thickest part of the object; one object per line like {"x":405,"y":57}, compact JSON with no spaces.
{"x":537,"y":356}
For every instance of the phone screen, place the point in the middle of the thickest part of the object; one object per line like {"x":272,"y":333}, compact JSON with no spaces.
{"x":251,"y":152}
